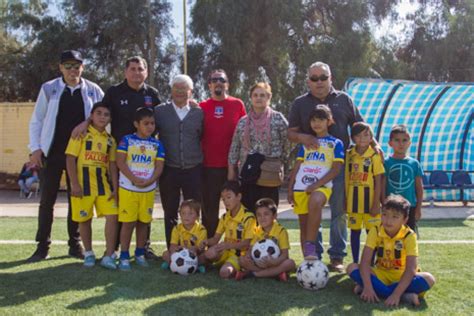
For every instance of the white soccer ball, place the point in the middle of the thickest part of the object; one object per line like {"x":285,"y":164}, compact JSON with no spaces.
{"x":264,"y":248}
{"x":312,"y":275}
{"x":184,"y":262}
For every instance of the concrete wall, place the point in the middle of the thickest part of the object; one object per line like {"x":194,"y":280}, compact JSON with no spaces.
{"x":14,"y":122}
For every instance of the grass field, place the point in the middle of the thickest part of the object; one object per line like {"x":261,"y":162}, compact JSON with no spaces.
{"x":61,"y":285}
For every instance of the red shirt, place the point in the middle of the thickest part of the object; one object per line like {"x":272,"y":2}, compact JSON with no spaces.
{"x":220,"y":120}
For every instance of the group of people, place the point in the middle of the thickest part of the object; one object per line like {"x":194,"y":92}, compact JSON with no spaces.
{"x":202,"y":153}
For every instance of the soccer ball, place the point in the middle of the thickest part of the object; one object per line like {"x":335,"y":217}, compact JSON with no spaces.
{"x":312,"y":275}
{"x":184,"y":262}
{"x":263,"y":249}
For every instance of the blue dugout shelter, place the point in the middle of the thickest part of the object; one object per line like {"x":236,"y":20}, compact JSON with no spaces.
{"x":439,"y":116}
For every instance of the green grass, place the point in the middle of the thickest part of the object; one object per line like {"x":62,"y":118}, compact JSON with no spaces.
{"x":62,"y":286}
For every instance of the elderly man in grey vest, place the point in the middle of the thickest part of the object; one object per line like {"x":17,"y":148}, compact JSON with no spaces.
{"x":179,"y":125}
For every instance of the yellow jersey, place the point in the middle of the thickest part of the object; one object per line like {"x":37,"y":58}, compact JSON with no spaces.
{"x":360,"y":171}
{"x":188,"y":238}
{"x":278,"y":234}
{"x":94,"y":152}
{"x":237,"y":228}
{"x":392,"y":252}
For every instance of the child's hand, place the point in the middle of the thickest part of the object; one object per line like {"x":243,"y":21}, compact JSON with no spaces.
{"x":310,"y":188}
{"x":369,"y":295}
{"x":392,"y":300}
{"x":113,"y":195}
{"x":139,"y":182}
{"x":221,"y":246}
{"x":203,"y":244}
{"x":375,"y":210}
{"x":417,"y":213}
{"x":291,"y":197}
{"x":267,"y":262}
{"x":76,"y":190}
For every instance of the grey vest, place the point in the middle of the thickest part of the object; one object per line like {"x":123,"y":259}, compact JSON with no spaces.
{"x":181,"y":139}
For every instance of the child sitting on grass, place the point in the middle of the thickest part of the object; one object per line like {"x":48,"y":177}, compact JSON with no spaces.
{"x":268,"y":227}
{"x":190,"y":234}
{"x":395,"y":276}
{"x":238,"y":226}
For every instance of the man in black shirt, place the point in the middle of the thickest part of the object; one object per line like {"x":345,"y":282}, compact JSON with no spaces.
{"x":124,"y":98}
{"x":62,"y":103}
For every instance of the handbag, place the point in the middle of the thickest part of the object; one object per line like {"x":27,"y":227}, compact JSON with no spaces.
{"x":271,"y":174}
{"x":250,"y":171}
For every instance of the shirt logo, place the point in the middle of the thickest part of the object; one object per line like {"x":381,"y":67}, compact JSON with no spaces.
{"x":367,"y":162}
{"x":99,"y":145}
{"x":83,"y":213}
{"x":91,"y":94}
{"x":123,"y":102}
{"x":219,"y":112}
{"x":398,"y":245}
{"x":148,"y":100}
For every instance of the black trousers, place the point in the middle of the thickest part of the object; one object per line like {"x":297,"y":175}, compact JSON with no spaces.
{"x":51,"y":173}
{"x":412,"y":222}
{"x":251,"y":193}
{"x":172,"y":182}
{"x":213,"y":180}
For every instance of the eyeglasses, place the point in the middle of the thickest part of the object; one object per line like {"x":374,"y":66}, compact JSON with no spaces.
{"x":219,"y":79}
{"x":68,"y":66}
{"x":320,"y":78}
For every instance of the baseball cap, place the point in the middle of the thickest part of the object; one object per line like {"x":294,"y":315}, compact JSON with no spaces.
{"x":69,"y":55}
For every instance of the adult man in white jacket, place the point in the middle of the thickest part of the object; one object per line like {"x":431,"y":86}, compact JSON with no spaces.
{"x":62,"y":103}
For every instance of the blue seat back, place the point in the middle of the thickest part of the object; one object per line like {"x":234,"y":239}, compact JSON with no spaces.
{"x":461,"y":177}
{"x":439,"y":178}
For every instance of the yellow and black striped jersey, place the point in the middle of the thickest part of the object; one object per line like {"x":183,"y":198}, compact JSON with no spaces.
{"x":94,"y":152}
{"x":360,"y":171}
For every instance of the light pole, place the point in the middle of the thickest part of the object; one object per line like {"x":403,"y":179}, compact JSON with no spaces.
{"x":185,"y":39}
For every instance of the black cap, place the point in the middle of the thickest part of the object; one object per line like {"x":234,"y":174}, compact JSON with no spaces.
{"x":69,"y":55}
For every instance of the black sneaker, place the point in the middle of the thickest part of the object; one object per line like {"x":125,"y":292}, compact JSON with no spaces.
{"x":38,"y":256}
{"x":150,"y":254}
{"x":77,"y":252}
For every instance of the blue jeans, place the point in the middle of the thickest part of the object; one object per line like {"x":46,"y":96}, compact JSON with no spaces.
{"x":338,"y":228}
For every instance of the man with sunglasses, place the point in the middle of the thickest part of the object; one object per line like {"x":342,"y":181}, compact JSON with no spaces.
{"x":345,"y":114}
{"x":221,"y":115}
{"x":62,"y":104}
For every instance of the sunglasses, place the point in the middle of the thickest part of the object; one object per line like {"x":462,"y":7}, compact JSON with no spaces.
{"x":68,"y":66}
{"x":220,"y":79}
{"x":320,"y":78}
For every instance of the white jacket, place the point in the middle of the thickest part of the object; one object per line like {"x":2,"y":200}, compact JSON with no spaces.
{"x":43,"y":119}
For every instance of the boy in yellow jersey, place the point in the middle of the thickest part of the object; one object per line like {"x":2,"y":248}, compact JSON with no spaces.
{"x":90,"y":161}
{"x":268,"y":227}
{"x":190,"y":234}
{"x":395,"y":275}
{"x":238,"y":226}
{"x":363,"y":180}
{"x":140,"y":158}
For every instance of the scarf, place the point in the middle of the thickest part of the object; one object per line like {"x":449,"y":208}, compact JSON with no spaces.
{"x":261,"y":125}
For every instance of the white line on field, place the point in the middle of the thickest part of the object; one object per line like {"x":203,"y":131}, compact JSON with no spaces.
{"x":162,"y":243}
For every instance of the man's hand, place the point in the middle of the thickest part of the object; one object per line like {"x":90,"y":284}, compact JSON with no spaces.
{"x":291,"y":197}
{"x":80,"y":130}
{"x":308,"y":141}
{"x":37,"y":158}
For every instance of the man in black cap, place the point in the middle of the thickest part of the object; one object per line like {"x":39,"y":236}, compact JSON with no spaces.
{"x":62,"y":103}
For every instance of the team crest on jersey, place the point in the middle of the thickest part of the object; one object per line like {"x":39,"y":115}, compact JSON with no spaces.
{"x":240,"y":227}
{"x":398,"y":245}
{"x":83,"y":213}
{"x":352,"y":220}
{"x":99,"y":146}
{"x":356,"y":167}
{"x":148,"y":100}
{"x":109,"y":141}
{"x":367,"y":162}
{"x":142,"y":149}
{"x":219,"y":112}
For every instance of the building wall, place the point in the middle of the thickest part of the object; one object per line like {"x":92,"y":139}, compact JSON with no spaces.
{"x":14,"y":118}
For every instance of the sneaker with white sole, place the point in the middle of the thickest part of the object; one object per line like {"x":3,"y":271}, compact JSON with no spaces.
{"x":309,"y":251}
{"x":108,"y":262}
{"x":124,"y":265}
{"x":141,"y":261}
{"x":89,"y":261}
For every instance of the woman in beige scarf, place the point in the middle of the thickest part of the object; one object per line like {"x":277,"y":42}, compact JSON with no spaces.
{"x":264,"y":131}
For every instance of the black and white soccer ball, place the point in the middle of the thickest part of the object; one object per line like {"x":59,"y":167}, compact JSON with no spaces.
{"x":184,"y":262}
{"x":312,"y":275}
{"x":264,"y":248}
